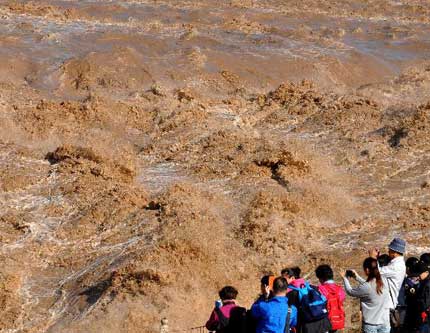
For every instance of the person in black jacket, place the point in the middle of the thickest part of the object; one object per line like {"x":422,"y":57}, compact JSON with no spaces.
{"x":421,"y":270}
{"x":408,"y":297}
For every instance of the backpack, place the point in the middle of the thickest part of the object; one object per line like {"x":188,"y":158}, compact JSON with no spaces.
{"x":313,"y":305}
{"x":239,"y":321}
{"x":411,"y":287}
{"x":336,"y":312}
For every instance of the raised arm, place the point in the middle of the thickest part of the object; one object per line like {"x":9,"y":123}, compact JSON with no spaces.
{"x":359,"y":278}
{"x":388,"y":271}
{"x":359,"y":291}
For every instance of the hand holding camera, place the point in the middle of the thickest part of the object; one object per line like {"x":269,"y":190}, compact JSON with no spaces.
{"x":350,"y":274}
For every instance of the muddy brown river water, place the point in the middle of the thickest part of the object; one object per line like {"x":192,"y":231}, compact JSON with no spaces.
{"x":153,"y":151}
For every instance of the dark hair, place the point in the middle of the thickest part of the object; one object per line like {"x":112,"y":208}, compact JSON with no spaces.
{"x":279,"y":285}
{"x":411,"y":261}
{"x":228,"y":292}
{"x":297,"y":272}
{"x":292,"y":272}
{"x":371,"y":264}
{"x":384,"y":260}
{"x":265,"y":280}
{"x":425,"y":258}
{"x":287,"y":272}
{"x":324,"y":273}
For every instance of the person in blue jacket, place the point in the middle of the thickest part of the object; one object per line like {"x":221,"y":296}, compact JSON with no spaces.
{"x":271,"y":316}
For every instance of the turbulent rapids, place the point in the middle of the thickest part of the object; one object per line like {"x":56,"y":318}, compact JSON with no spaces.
{"x":154,"y":151}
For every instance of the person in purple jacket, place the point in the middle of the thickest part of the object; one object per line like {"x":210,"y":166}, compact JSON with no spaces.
{"x":226,"y":304}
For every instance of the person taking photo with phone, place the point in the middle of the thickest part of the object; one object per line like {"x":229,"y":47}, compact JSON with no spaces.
{"x":374,"y":297}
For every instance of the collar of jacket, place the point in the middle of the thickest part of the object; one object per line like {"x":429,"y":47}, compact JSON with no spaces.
{"x":229,"y":301}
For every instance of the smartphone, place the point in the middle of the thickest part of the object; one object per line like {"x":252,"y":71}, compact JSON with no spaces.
{"x":349,"y":273}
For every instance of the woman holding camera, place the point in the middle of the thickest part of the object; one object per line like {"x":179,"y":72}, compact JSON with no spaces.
{"x":374,"y":297}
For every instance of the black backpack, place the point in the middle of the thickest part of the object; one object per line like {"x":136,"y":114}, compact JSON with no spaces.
{"x":240,"y":321}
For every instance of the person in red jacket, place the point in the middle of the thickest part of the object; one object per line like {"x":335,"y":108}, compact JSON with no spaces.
{"x":335,"y":297}
{"x":225,"y":305}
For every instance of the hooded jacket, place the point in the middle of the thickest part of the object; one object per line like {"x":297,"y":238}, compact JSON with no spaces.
{"x":329,"y":286}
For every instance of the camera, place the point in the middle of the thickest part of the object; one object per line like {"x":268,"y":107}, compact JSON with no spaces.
{"x":349,"y":274}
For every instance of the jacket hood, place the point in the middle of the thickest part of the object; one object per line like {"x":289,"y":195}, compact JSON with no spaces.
{"x":298,"y":282}
{"x":330,"y":287}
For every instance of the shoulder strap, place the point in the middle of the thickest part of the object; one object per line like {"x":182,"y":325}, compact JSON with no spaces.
{"x":391,"y":294}
{"x":223,"y":320}
{"x":287,"y":324}
{"x":297,"y":290}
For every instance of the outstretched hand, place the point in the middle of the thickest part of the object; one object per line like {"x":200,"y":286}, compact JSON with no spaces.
{"x":342,"y":273}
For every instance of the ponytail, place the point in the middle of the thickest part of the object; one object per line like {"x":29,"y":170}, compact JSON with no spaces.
{"x":371,"y":265}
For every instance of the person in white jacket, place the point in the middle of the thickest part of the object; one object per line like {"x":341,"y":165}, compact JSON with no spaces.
{"x":395,"y":271}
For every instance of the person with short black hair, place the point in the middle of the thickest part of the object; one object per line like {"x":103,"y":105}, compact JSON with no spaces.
{"x":324,"y":273}
{"x":228,"y":293}
{"x":335,"y":296}
{"x":425,"y":258}
{"x":271,"y":315}
{"x":411,"y":262}
{"x":383,"y":260}
{"x":223,"y":308}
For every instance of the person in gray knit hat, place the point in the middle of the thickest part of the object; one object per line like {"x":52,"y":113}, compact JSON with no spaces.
{"x":394,"y":273}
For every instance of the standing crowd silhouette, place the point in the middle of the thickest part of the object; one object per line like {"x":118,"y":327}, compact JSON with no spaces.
{"x":394,"y":296}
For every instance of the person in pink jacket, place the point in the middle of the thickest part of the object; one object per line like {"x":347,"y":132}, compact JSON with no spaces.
{"x":335,"y":297}
{"x":226,"y":304}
